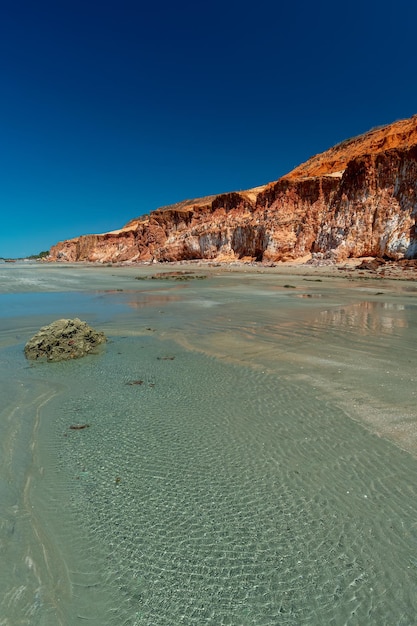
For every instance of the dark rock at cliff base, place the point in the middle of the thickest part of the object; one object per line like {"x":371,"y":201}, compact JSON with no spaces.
{"x":371,"y":264}
{"x":63,"y":340}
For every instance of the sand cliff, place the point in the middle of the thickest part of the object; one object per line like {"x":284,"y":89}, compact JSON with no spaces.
{"x":357,"y":199}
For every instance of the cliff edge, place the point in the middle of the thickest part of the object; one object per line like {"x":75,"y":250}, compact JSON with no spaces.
{"x":356,"y":199}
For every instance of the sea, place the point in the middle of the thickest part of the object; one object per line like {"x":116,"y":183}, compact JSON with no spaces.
{"x":247,"y":456}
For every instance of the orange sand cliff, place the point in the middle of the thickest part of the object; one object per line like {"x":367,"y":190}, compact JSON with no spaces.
{"x":356,"y":199}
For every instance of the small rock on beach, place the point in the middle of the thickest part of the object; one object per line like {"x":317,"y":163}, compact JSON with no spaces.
{"x":63,"y":340}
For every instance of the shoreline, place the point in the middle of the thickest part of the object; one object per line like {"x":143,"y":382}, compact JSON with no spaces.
{"x":363,"y":268}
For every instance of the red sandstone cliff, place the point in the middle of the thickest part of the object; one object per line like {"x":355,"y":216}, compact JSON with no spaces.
{"x":357,"y":199}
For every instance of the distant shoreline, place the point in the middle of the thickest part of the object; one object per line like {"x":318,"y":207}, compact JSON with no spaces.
{"x":353,"y":269}
{"x":405,"y":270}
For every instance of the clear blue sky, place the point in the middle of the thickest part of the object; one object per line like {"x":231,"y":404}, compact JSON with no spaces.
{"x":110,"y":109}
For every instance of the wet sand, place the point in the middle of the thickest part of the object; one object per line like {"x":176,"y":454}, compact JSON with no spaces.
{"x":236,"y":484}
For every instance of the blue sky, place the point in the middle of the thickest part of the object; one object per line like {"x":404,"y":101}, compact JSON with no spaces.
{"x":109,"y":109}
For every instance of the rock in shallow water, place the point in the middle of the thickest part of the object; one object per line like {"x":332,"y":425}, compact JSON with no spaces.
{"x":63,"y":340}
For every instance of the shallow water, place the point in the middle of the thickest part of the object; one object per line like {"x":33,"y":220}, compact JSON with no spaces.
{"x":226,"y":475}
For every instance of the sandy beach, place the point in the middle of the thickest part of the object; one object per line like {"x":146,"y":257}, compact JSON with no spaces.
{"x":351,"y":269}
{"x":249,"y":456}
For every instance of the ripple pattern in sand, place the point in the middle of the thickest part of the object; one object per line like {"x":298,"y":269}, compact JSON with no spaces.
{"x":214,"y":494}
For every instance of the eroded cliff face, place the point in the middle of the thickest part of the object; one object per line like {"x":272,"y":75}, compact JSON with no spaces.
{"x":356,"y":199}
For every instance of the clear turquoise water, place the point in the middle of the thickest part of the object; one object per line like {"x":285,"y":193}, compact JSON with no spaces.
{"x":237,"y":484}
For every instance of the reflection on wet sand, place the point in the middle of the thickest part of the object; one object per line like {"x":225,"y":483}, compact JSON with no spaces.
{"x":259,"y":336}
{"x":144,"y":300}
{"x":361,"y":354}
{"x":366,"y":317}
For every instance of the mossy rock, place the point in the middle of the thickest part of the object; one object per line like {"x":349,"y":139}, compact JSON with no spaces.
{"x":63,"y":340}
